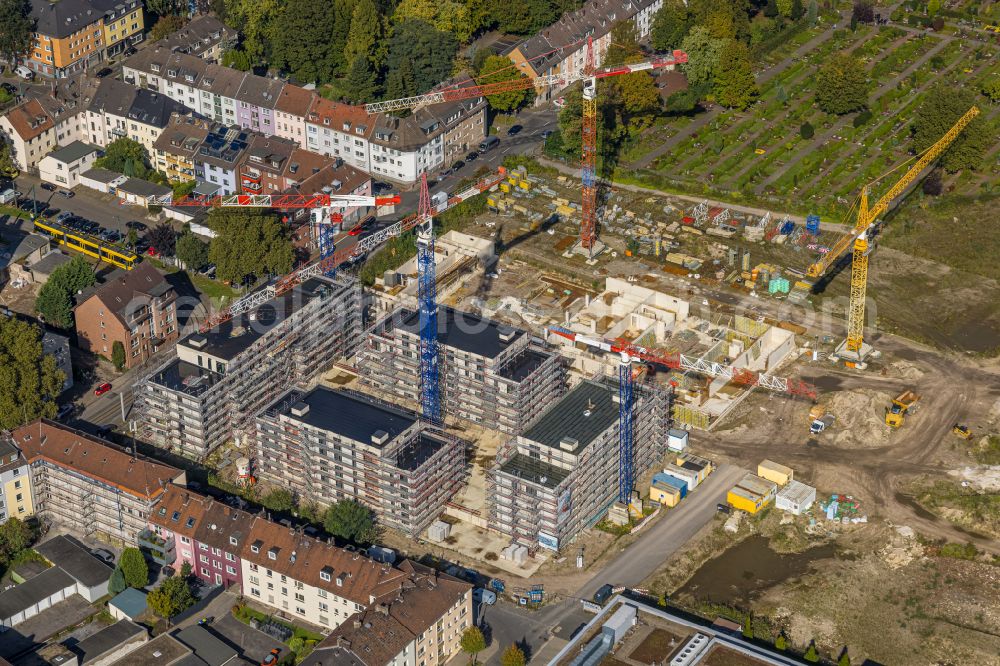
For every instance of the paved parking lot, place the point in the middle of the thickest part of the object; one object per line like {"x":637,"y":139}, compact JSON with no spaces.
{"x":253,"y":645}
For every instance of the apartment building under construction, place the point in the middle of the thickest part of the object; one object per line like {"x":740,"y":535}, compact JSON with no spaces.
{"x":219,"y":380}
{"x":491,"y":374}
{"x":328,"y":445}
{"x":561,"y":474}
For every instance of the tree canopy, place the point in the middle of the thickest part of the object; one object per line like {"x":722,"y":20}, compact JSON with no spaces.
{"x":15,"y":536}
{"x":704,"y":51}
{"x":127,"y":157}
{"x":472,"y":642}
{"x":496,"y":69}
{"x":56,"y":297}
{"x":249,"y":242}
{"x":192,"y":250}
{"x":512,"y":656}
{"x":117,"y":583}
{"x":735,"y":86}
{"x":134,"y":568}
{"x":351,"y":520}
{"x":941,"y":108}
{"x":167,"y":25}
{"x":670,"y":25}
{"x":302,"y":42}
{"x":163,"y":239}
{"x":425,"y":51}
{"x":16,"y":27}
{"x":172,"y":597}
{"x":842,"y":85}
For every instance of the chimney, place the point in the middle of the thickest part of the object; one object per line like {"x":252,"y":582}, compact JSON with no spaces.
{"x":383,"y":609}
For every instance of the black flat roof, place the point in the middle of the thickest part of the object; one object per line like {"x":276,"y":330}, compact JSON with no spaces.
{"x":569,"y":417}
{"x":521,"y":367}
{"x":533,"y":470}
{"x":75,"y":559}
{"x":348,"y":415}
{"x":464,"y":331}
{"x":27,"y":594}
{"x":186,"y":377}
{"x":229,"y":339}
{"x":107,"y":639}
{"x":417,"y":452}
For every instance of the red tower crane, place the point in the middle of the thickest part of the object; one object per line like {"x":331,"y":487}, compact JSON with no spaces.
{"x":588,"y":152}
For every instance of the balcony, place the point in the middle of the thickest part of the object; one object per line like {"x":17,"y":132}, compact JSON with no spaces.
{"x":160,"y":550}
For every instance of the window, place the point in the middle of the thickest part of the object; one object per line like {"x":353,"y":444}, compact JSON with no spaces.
{"x":17,"y":484}
{"x":202,"y":546}
{"x":322,"y":607}
{"x":204,"y":558}
{"x":204,"y":571}
{"x":216,"y":552}
{"x":230,"y":557}
{"x":255,"y":592}
{"x":234,"y":541}
{"x":230,"y":570}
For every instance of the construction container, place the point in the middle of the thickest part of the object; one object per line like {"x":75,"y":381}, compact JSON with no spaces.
{"x":505,"y":187}
{"x":438,"y":531}
{"x":796,"y":497}
{"x":677,"y":440}
{"x":751,"y":494}
{"x":702,"y":466}
{"x":669,"y":484}
{"x":812,"y":224}
{"x":689,"y":476}
{"x":787,"y":227}
{"x":778,"y":286}
{"x":776,"y":472}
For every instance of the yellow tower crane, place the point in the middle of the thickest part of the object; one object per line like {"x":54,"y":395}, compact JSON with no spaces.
{"x":854,"y":348}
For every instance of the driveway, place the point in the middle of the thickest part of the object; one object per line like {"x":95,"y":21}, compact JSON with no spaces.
{"x":252,"y":645}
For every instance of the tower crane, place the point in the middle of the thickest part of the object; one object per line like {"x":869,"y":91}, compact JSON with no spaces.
{"x":866,"y":227}
{"x":588,"y":151}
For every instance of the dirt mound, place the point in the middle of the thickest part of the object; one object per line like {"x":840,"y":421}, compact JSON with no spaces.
{"x":860,"y":418}
{"x":905,"y":370}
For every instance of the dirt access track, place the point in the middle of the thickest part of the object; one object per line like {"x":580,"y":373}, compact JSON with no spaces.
{"x":954,"y":389}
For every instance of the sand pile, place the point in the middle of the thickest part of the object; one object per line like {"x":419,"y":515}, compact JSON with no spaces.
{"x":905,"y":370}
{"x":860,"y":418}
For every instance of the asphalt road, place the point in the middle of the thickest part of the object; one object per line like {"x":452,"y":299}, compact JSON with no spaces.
{"x":509,"y":624}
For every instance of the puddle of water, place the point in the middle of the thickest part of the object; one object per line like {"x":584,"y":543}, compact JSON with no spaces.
{"x":910,"y":501}
{"x":826,"y":382}
{"x":746,"y":570}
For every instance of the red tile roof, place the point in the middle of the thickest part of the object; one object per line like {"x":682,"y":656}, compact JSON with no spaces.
{"x":60,"y":445}
{"x":295,"y":100}
{"x":334,"y":115}
{"x":30,"y":119}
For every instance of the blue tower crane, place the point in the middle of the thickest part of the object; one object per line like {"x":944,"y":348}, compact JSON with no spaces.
{"x":626,"y":397}
{"x":430,"y":387}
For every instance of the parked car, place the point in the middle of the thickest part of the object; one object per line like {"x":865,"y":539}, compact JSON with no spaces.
{"x":102,"y":389}
{"x":9,"y":88}
{"x":104,"y":555}
{"x":65,"y":410}
{"x":24,"y":73}
{"x":514,"y":129}
{"x":603,"y":594}
{"x":69,"y":194}
{"x":356,"y":231}
{"x":48,"y":187}
{"x":135,"y":224}
{"x":474,"y":155}
{"x":101,"y":73}
{"x":489,"y":143}
{"x":484,"y":596}
{"x":546,"y":134}
{"x":130,"y":51}
{"x":271,"y":658}
{"x":457,"y":165}
{"x":723,"y":508}
{"x":151,"y":251}
{"x":64,"y":217}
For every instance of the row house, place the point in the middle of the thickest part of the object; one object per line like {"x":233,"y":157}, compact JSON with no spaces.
{"x":255,"y":102}
{"x":220,"y":158}
{"x":89,"y":486}
{"x":204,"y":36}
{"x":71,"y":36}
{"x":301,"y":577}
{"x":290,"y":114}
{"x":267,"y":159}
{"x":136,"y":308}
{"x":175,"y":150}
{"x":46,"y":121}
{"x":561,"y":48}
{"x":118,"y":110}
{"x":340,"y":130}
{"x":15,"y":483}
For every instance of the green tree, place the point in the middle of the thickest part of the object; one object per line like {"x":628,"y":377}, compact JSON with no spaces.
{"x":841,"y":85}
{"x":126,"y":156}
{"x":361,"y":84}
{"x":570,"y":119}
{"x":15,"y":536}
{"x":797,"y":10}
{"x":735,"y":86}
{"x":351,"y":520}
{"x":365,"y":35}
{"x":118,"y":355}
{"x":806,"y":130}
{"x":472,"y":642}
{"x":254,"y":20}
{"x":15,"y":29}
{"x":748,"y":627}
{"x":704,"y":52}
{"x":279,"y":499}
{"x":428,"y":52}
{"x":165,"y":7}
{"x":784,"y":8}
{"x":780,"y":94}
{"x":513,"y":656}
{"x":933,"y":7}
{"x":186,"y":570}
{"x":166,"y":26}
{"x":670,"y":25}
{"x":781,"y":643}
{"x":992,"y":89}
{"x":8,"y":169}
{"x":134,"y":567}
{"x":771,"y":9}
{"x":399,"y":82}
{"x":497,"y":69}
{"x":132,"y":237}
{"x":163,"y":239}
{"x":248,"y":243}
{"x":55,"y":299}
{"x":173,"y":596}
{"x":117,"y":583}
{"x":445,"y":15}
{"x":192,"y":251}
{"x":638,"y":93}
{"x":811,"y":654}
{"x":301,"y":41}
{"x":845,"y":659}
{"x":941,"y":108}
{"x":812,"y":12}
{"x":237,"y":59}
{"x":624,"y":46}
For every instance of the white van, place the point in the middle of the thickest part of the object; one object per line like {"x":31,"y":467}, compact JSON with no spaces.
{"x":24,"y":73}
{"x":8,"y":196}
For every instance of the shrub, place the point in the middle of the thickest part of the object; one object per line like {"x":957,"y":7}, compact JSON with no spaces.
{"x":862,"y":118}
{"x":806,"y":131}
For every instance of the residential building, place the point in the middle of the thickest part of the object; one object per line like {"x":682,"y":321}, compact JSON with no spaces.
{"x":20,"y":249}
{"x":136,"y":308}
{"x":423,"y":625}
{"x":74,"y":35}
{"x":15,"y":483}
{"x":255,"y":102}
{"x":340,"y":130}
{"x":219,"y":380}
{"x":404,"y":148}
{"x":491,"y":374}
{"x":63,"y":167}
{"x":175,"y":149}
{"x":220,"y":157}
{"x":204,"y":36}
{"x":31,"y":132}
{"x":303,"y":174}
{"x":561,"y":48}
{"x":89,"y":486}
{"x":290,"y":114}
{"x":190,"y":528}
{"x":266,"y":161}
{"x":327,"y":446}
{"x":465,"y":127}
{"x":119,"y":110}
{"x":561,"y":475}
